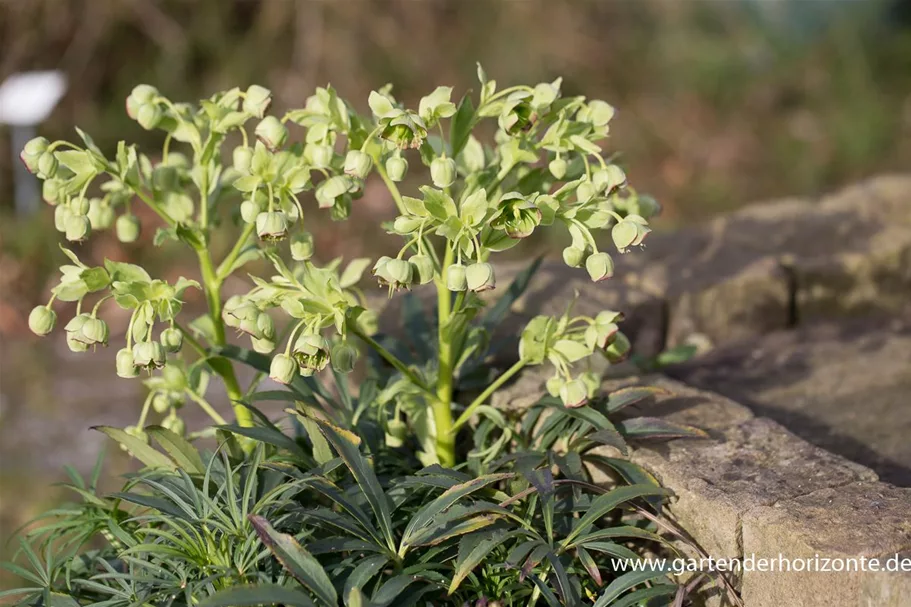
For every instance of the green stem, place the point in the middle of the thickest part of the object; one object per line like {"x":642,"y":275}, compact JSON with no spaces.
{"x":225,"y":267}
{"x":212,"y":287}
{"x":393,"y":189}
{"x":155,"y":207}
{"x":482,"y":398}
{"x":442,"y":405}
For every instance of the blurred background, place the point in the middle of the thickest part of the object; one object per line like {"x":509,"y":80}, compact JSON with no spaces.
{"x":720,"y":103}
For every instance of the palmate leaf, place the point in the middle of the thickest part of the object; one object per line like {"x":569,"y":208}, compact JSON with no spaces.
{"x":363,"y":573}
{"x":140,"y":450}
{"x":624,"y":397}
{"x":644,"y":594}
{"x":262,"y":594}
{"x":299,"y":563}
{"x":645,"y":428}
{"x":473,"y":549}
{"x":182,"y":452}
{"x":608,"y":502}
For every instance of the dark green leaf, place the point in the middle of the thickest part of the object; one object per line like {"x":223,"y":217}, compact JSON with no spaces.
{"x":460,"y":127}
{"x":263,"y":594}
{"x":625,"y":397}
{"x":653,"y":428}
{"x":625,"y":582}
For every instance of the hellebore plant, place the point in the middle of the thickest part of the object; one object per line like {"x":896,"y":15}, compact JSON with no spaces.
{"x":370,"y":501}
{"x":544,"y":169}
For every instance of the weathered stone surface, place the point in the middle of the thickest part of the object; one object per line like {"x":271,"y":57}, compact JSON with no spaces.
{"x":843,"y":387}
{"x":848,"y":522}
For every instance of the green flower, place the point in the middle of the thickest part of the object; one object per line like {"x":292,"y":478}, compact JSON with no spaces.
{"x":517,"y":114}
{"x":77,"y":227}
{"x":283,"y":369}
{"x":423,"y":269}
{"x":148,"y":355}
{"x":343,"y":357}
{"x":272,"y":226}
{"x":600,"y":266}
{"x":175,"y":424}
{"x":100,"y":214}
{"x":630,"y":232}
{"x":311,"y":351}
{"x":574,"y":393}
{"x":443,"y":172}
{"x":32,"y":151}
{"x":456,"y":277}
{"x":242,"y":158}
{"x":47,"y":165}
{"x":358,"y":164}
{"x":573,"y":256}
{"x":619,"y":349}
{"x":480,"y":277}
{"x":95,"y":331}
{"x":557,"y":167}
{"x":396,"y":167}
{"x":126,"y":365}
{"x":41,"y":320}
{"x":171,"y":339}
{"x":302,"y":246}
{"x":257,"y":100}
{"x":517,"y":216}
{"x":127,"y":228}
{"x":271,"y":132}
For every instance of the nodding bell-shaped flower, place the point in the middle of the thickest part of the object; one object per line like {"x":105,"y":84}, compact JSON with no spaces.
{"x":302,"y":246}
{"x":283,"y":369}
{"x":61,"y":214}
{"x":263,"y":346}
{"x":41,"y":320}
{"x":600,"y":336}
{"x":75,"y":338}
{"x":422,"y":269}
{"x":343,"y":357}
{"x":51,"y":190}
{"x":148,"y":355}
{"x":33,"y":151}
{"x":100,"y":214}
{"x":141,"y":95}
{"x":242,"y":158}
{"x":456,"y":278}
{"x":126,"y":366}
{"x":573,"y":256}
{"x":311,"y":351}
{"x":250,"y":210}
{"x":320,"y":154}
{"x":174,"y":423}
{"x":358,"y":164}
{"x":479,"y":277}
{"x":518,"y":217}
{"x":171,"y":340}
{"x":257,"y":100}
{"x":557,"y":167}
{"x":443,"y":172}
{"x":127,"y":228}
{"x":272,"y":226}
{"x":396,"y":167}
{"x":77,"y":227}
{"x":47,"y":165}
{"x":149,"y":116}
{"x":630,"y":232}
{"x":271,"y":132}
{"x":80,"y":206}
{"x":600,"y":266}
{"x":396,"y":273}
{"x":574,"y":393}
{"x":618,"y":350}
{"x":95,"y":331}
{"x":609,"y":178}
{"x":517,"y":114}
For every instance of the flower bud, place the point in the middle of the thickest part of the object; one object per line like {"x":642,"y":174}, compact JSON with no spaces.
{"x":32,"y":152}
{"x":257,"y":100}
{"x":396,"y":167}
{"x":127,"y":228}
{"x":265,"y":325}
{"x":175,"y":424}
{"x":283,"y":369}
{"x":61,"y":214}
{"x":41,"y":320}
{"x":422,"y":269}
{"x":480,"y":277}
{"x":321,"y":155}
{"x":263,"y":346}
{"x":144,"y":93}
{"x":80,"y":206}
{"x":573,"y":257}
{"x":574,"y":393}
{"x":358,"y":164}
{"x":100,"y":214}
{"x":95,"y":331}
{"x":47,"y":165}
{"x":272,"y":226}
{"x":600,"y":266}
{"x":302,"y":246}
{"x":456,"y":279}
{"x":619,"y":349}
{"x":249,"y":209}
{"x":149,"y":115}
{"x":74,"y":331}
{"x":311,"y":351}
{"x":443,"y":172}
{"x":161,"y":401}
{"x":77,"y":228}
{"x":557,"y":167}
{"x":242,"y":158}
{"x":343,"y":357}
{"x":171,"y":339}
{"x":51,"y":190}
{"x":148,"y":354}
{"x":272,"y":133}
{"x":126,"y":367}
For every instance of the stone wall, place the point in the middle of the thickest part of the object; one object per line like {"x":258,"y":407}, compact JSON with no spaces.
{"x":806,"y":305}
